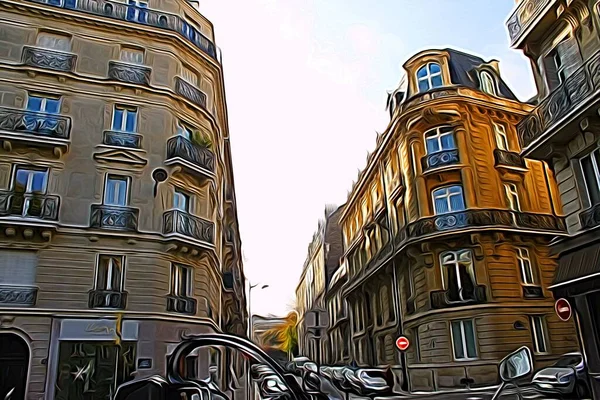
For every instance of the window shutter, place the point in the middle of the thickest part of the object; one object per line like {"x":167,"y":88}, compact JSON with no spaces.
{"x":568,"y":51}
{"x":18,"y":267}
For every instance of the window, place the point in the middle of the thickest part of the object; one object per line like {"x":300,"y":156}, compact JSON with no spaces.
{"x":124,"y":119}
{"x":54,"y":41}
{"x":458,"y":275}
{"x":181,"y":280}
{"x":512,"y":196}
{"x":109,"y":273}
{"x":463,"y":340}
{"x":181,"y":201}
{"x":429,"y":77}
{"x":184,"y":130}
{"x":137,"y":11}
{"x":448,"y":199}
{"x":525,"y":265}
{"x":538,"y":333}
{"x":487,"y":83}
{"x":590,"y":166}
{"x":29,"y":184}
{"x":439,"y":139}
{"x":116,"y":192}
{"x":132,"y":55}
{"x":501,"y":138}
{"x":560,"y":63}
{"x":45,"y":104}
{"x":189,"y":76}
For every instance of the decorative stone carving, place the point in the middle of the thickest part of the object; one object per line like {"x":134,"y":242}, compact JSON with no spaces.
{"x":175,"y":221}
{"x":526,"y":12}
{"x":29,"y":205}
{"x":178,"y":146}
{"x":18,"y":295}
{"x":49,"y":59}
{"x":190,"y":92}
{"x":129,"y":73}
{"x":122,"y":139}
{"x":114,"y":217}
{"x":35,"y":123}
{"x":440,"y":159}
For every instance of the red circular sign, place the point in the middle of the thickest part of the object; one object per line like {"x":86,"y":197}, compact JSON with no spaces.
{"x":402,"y":343}
{"x":563,"y":309}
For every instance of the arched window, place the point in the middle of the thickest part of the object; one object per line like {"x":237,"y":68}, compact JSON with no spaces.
{"x":458,"y":275}
{"x":429,"y":77}
{"x":487,"y":83}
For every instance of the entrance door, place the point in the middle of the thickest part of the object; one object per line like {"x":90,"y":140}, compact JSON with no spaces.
{"x":14,"y":364}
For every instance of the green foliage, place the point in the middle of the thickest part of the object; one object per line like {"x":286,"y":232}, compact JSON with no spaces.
{"x":285,"y":335}
{"x":201,"y":139}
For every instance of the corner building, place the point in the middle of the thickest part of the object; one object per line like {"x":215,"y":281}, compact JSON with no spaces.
{"x":446,"y":233}
{"x":118,"y":224}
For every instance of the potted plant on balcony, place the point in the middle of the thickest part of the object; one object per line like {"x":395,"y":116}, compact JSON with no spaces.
{"x":201,"y":140}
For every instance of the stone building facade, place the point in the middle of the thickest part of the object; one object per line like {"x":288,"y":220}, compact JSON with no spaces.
{"x":118,"y":224}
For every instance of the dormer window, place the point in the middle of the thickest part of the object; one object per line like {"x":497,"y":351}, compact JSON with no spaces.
{"x":429,"y":77}
{"x":487,"y":83}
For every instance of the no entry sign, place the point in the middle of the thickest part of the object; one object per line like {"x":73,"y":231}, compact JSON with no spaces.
{"x":402,"y":343}
{"x":563,"y":309}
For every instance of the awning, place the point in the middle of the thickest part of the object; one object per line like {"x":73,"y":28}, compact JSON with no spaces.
{"x":578,"y":265}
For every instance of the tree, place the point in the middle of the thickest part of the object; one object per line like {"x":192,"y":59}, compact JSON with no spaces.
{"x":284,"y":336}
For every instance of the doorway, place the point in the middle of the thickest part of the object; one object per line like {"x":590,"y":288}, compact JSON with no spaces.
{"x":14,"y":365}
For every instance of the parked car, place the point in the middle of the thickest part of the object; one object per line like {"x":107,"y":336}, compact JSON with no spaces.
{"x":566,"y":377}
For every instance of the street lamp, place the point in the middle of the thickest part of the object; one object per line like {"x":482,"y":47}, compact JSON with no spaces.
{"x":250,"y":332}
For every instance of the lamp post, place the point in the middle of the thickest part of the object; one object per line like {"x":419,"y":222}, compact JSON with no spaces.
{"x":251,"y":332}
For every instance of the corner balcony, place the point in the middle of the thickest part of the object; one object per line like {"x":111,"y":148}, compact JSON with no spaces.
{"x":445,"y":299}
{"x":509,"y":159}
{"x":183,"y":151}
{"x":107,"y":299}
{"x":29,"y":205}
{"x":182,"y":224}
{"x":525,"y":17}
{"x":129,"y":73}
{"x":116,"y":218}
{"x":190,"y":92}
{"x":122,"y":139}
{"x":14,"y":295}
{"x":34,"y":128}
{"x":49,"y":59}
{"x":439,"y":159}
{"x":543,"y":126}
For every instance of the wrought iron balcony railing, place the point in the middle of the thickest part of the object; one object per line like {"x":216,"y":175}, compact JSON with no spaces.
{"x":182,"y":223}
{"x":190,"y":92}
{"x":440,"y":159}
{"x":533,"y":292}
{"x":445,"y":299}
{"x":129,"y":73}
{"x":183,"y":305}
{"x":122,"y":139}
{"x":114,"y":217}
{"x":107,"y":299}
{"x":13,"y":295}
{"x":34,"y":127}
{"x":509,"y":159}
{"x":49,"y":59}
{"x":524,"y":16}
{"x":590,"y":217}
{"x":139,"y":15}
{"x":200,"y":158}
{"x":29,"y":205}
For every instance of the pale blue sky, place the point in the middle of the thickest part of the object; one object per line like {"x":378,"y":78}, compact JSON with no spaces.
{"x":306,"y":84}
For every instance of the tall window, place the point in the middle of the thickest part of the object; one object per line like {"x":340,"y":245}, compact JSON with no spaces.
{"x":54,"y":41}
{"x":539,"y":334}
{"x":132,"y":55}
{"x":525,"y":266}
{"x":124,"y":119}
{"x":184,"y":130}
{"x":30,"y":183}
{"x":429,"y":77}
{"x":439,"y":139}
{"x":487,"y":83}
{"x":448,"y":199}
{"x":561,"y":62}
{"x":45,"y":104}
{"x":109,"y":273}
{"x":501,"y":138}
{"x":590,"y":166}
{"x":181,"y":280}
{"x":137,"y":11}
{"x":181,"y":201}
{"x":512,"y":196}
{"x":463,"y":340}
{"x":458,"y":275}
{"x":116,"y":192}
{"x":189,"y":76}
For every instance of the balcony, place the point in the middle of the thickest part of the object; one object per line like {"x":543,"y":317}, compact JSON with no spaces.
{"x":49,"y":59}
{"x":196,"y":158}
{"x":525,"y":17}
{"x":138,"y":15}
{"x":440,"y":159}
{"x":122,"y":139}
{"x":12,"y":295}
{"x":479,"y":218}
{"x":182,"y":305}
{"x":509,"y":159}
{"x":114,"y":218}
{"x":187,"y":225}
{"x":129,"y":73}
{"x":445,"y":299}
{"x":34,"y":128}
{"x":107,"y":299}
{"x":29,"y":205}
{"x":190,"y":92}
{"x":533,"y":292}
{"x":561,"y":107}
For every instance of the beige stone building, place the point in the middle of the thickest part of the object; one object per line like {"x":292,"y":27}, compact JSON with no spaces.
{"x":118,"y":225}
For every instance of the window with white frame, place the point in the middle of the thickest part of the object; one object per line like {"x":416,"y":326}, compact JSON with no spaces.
{"x":43,"y":103}
{"x":525,"y":266}
{"x":181,"y":201}
{"x":429,"y":77}
{"x":501,"y":138}
{"x":512,"y":196}
{"x":137,"y":10}
{"x":181,"y":280}
{"x":464,"y":344}
{"x":184,"y":130}
{"x":458,"y":275}
{"x":439,"y":139}
{"x":539,"y":334}
{"x":54,"y":41}
{"x":448,"y":199}
{"x":487,"y":83}
{"x":189,"y":76}
{"x":132,"y":55}
{"x":110,"y":273}
{"x":116,"y":190}
{"x":31,"y":183}
{"x":124,"y":119}
{"x":590,"y":167}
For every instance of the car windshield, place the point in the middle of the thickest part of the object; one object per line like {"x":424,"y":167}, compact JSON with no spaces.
{"x":568,"y":361}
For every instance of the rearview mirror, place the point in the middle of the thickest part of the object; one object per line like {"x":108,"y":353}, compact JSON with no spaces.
{"x":516,"y":365}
